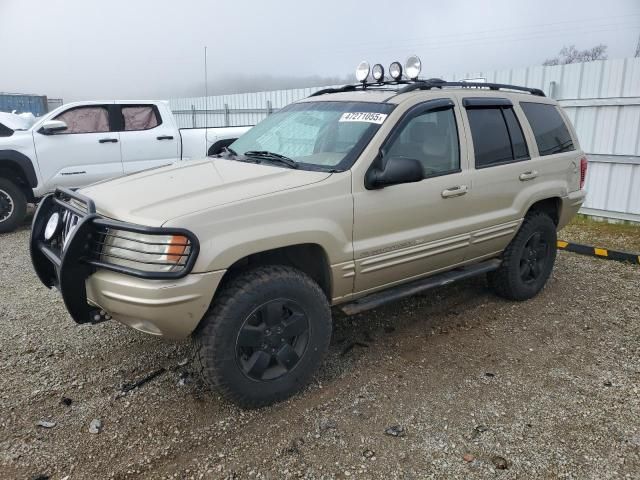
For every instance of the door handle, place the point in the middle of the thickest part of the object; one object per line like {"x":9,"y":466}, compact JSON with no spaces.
{"x":456,"y":191}
{"x":528,"y":175}
{"x":108,"y":140}
{"x":165,"y":137}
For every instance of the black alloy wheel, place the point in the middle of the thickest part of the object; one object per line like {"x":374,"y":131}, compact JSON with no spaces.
{"x":534,"y":257}
{"x":272,"y":339}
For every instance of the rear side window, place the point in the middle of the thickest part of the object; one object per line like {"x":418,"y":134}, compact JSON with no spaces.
{"x":5,"y":131}
{"x":497,"y":136}
{"x":85,"y":120}
{"x":139,"y":117}
{"x":552,"y":134}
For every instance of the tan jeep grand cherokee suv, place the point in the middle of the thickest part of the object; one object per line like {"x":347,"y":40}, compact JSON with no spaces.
{"x":352,"y":197}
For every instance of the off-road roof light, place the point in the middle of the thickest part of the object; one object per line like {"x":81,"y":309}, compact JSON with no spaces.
{"x":362,"y":72}
{"x":412,"y":67}
{"x":377,"y":72}
{"x":395,"y":70}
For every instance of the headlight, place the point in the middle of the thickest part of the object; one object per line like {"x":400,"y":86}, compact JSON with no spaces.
{"x":378,"y":72}
{"x":362,"y":72}
{"x":413,"y":67}
{"x":52,"y":226}
{"x":141,"y":251}
{"x":395,"y":70}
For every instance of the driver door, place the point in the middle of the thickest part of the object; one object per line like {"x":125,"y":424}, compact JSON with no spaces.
{"x":86,"y":152}
{"x":409,"y":230}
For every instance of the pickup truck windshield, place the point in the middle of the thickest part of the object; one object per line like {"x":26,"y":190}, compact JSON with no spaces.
{"x":317,"y":135}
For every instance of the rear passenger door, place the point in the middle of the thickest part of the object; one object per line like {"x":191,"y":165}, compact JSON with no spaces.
{"x":501,"y":172}
{"x":146,"y":141}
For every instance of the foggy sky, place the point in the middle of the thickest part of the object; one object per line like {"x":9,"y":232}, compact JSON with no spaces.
{"x":88,"y":49}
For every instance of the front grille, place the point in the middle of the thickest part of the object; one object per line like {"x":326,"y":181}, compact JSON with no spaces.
{"x":69,"y":223}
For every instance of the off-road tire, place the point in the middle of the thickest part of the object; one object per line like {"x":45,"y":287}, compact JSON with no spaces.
{"x":215,"y":339}
{"x":19,"y":205}
{"x":507,"y":281}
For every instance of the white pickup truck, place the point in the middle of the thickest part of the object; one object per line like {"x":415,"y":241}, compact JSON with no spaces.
{"x":84,"y":142}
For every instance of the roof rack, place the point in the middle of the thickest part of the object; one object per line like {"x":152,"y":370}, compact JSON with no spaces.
{"x":411,"y":85}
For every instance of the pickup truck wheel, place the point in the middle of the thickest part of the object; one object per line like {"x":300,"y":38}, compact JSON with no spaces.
{"x":264,"y":336}
{"x":13,"y":205}
{"x":528,"y":260}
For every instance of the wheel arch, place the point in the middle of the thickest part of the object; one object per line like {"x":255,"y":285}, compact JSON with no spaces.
{"x":310,"y":258}
{"x":18,"y":168}
{"x":551,"y":206}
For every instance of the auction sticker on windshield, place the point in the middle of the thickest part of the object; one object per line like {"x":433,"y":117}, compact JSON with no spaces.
{"x":370,"y":117}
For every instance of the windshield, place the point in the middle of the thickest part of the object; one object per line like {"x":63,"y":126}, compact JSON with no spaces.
{"x":324,"y":135}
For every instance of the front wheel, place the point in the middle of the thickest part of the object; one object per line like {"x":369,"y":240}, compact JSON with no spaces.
{"x":13,"y":205}
{"x":528,"y":260}
{"x":265,"y":335}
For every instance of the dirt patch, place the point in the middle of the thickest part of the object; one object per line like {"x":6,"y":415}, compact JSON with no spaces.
{"x":474,"y":386}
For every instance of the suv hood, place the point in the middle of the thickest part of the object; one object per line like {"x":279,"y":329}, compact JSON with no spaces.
{"x":153,"y":197}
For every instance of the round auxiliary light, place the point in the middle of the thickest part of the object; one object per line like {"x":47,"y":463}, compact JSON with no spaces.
{"x":378,"y":72}
{"x":413,"y":66}
{"x":362,"y":72}
{"x":395,"y":70}
{"x":52,"y":226}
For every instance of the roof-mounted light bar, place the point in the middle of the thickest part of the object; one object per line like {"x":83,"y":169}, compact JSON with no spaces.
{"x":412,"y":68}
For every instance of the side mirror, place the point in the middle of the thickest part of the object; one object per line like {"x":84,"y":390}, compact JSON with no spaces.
{"x":53,"y":126}
{"x":397,"y":170}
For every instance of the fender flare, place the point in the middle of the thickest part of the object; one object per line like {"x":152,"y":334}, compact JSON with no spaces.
{"x":20,"y":161}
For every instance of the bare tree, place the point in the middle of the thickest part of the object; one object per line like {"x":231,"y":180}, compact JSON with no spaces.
{"x":571,"y":54}
{"x":637,"y":54}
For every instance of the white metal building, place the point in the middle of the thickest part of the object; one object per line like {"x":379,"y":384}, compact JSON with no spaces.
{"x":602,"y":98}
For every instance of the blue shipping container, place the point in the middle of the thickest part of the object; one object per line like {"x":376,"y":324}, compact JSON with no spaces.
{"x":36,"y":104}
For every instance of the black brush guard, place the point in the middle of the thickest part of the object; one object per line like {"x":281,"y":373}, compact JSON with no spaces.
{"x":67,"y":264}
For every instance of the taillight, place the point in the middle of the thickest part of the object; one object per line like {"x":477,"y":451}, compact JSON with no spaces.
{"x":583,"y":171}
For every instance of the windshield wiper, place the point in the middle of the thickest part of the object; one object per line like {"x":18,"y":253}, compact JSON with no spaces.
{"x":276,"y":157}
{"x":230,"y":151}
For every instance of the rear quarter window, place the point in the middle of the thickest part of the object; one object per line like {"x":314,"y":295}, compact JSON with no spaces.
{"x":549,"y":128}
{"x":5,"y":131}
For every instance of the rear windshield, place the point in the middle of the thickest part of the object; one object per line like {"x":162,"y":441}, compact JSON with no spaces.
{"x":325,"y":135}
{"x":552,"y":134}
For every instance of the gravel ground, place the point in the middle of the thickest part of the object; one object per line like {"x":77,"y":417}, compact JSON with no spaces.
{"x":472,"y":386}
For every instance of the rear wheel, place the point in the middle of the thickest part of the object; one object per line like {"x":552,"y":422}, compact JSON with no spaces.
{"x":13,"y":205}
{"x":528,"y":260}
{"x":264,"y":336}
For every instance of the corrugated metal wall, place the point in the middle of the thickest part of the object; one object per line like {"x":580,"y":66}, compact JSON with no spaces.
{"x":601,"y":98}
{"x":36,"y":104}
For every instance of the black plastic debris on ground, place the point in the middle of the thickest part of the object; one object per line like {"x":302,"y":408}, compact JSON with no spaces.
{"x":127,"y":387}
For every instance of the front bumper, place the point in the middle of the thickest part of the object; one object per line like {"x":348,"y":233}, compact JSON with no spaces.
{"x":167,"y":303}
{"x":169,"y":308}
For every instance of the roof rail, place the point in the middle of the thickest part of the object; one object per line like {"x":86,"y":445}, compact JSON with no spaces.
{"x":411,"y":85}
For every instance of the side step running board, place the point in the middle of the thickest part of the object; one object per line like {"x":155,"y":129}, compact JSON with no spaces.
{"x":377,"y":299}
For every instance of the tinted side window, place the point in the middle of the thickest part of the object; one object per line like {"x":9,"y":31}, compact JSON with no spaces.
{"x":552,"y":135}
{"x":520,"y":150}
{"x":432,"y":139}
{"x":139,"y":117}
{"x":5,"y":131}
{"x":85,"y":120}
{"x":491,"y":141}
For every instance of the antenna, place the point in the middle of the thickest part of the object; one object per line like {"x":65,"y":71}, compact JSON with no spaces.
{"x":206,"y":102}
